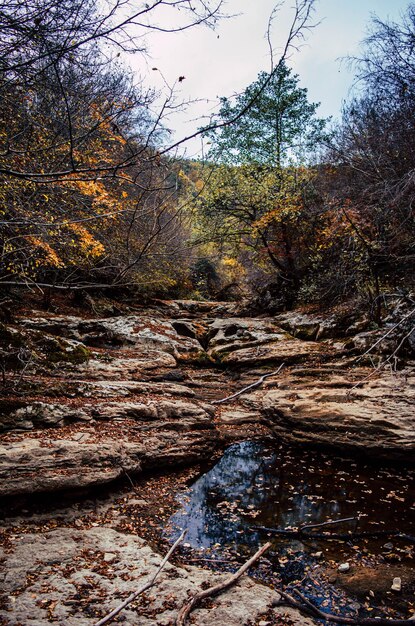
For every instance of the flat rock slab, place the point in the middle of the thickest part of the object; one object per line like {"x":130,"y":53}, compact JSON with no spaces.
{"x":376,"y":416}
{"x":74,"y":578}
{"x":43,"y":465}
{"x":283,"y":351}
{"x":130,"y":367}
{"x":34,"y":414}
{"x":124,"y":388}
{"x":127,"y":330}
{"x":118,"y":439}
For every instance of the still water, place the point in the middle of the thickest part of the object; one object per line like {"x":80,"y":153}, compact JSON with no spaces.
{"x":255,"y":485}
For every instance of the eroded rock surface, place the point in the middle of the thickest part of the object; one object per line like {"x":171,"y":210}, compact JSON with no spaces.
{"x":125,"y":331}
{"x":115,"y":439}
{"x":102,"y":400}
{"x":74,"y":577}
{"x":245,"y":342}
{"x":345,"y":410}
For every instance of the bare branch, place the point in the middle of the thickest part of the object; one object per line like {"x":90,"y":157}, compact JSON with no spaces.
{"x":216,"y":589}
{"x":249,"y":387}
{"x":148,"y":585}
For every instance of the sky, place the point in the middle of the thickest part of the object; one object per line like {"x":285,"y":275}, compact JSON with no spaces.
{"x":224,"y":61}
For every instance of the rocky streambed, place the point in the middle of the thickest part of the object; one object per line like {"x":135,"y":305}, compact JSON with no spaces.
{"x":104,"y":403}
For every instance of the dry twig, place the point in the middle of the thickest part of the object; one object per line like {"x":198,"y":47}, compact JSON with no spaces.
{"x":252,"y":386}
{"x":213,"y":591}
{"x":144,"y":588}
{"x":305,"y":606}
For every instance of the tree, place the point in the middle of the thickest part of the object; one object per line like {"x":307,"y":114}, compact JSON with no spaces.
{"x":41,"y":42}
{"x":265,"y":217}
{"x":87,"y":191}
{"x":78,"y":143}
{"x":373,"y":152}
{"x":258,"y":196}
{"x":280,"y":126}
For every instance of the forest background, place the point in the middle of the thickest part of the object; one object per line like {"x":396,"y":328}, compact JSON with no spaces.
{"x":285,"y":209}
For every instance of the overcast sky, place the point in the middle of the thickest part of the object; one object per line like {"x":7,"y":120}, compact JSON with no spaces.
{"x":225,"y":61}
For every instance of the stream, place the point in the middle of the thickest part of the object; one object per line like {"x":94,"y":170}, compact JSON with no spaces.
{"x":258,"y":485}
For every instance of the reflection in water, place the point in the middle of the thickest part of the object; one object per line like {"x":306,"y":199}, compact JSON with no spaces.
{"x":256,"y":485}
{"x":253,"y":485}
{"x":248,"y":483}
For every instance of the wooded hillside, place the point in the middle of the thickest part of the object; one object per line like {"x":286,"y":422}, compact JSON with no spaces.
{"x":286,"y":208}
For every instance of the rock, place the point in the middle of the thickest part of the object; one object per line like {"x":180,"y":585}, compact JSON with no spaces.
{"x":174,"y":376}
{"x":312,"y":327}
{"x":193,"y":329}
{"x":48,"y":415}
{"x":343,"y":567}
{"x":283,"y":351}
{"x":370,"y":340}
{"x":135,"y":331}
{"x":239,"y":416}
{"x":30,"y":348}
{"x":396,"y":584}
{"x":226,"y":335}
{"x":125,"y":438}
{"x":124,"y":388}
{"x":122,"y":368}
{"x":41,"y":415}
{"x":45,"y":586}
{"x":188,"y":415}
{"x":375,"y":417}
{"x":198,"y":307}
{"x":30,"y":466}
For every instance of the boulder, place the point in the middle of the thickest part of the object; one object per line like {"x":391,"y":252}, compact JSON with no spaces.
{"x":385,"y":341}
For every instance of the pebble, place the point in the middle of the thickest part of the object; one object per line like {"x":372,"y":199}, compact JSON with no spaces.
{"x":343,"y":567}
{"x":396,"y":584}
{"x":138,"y":502}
